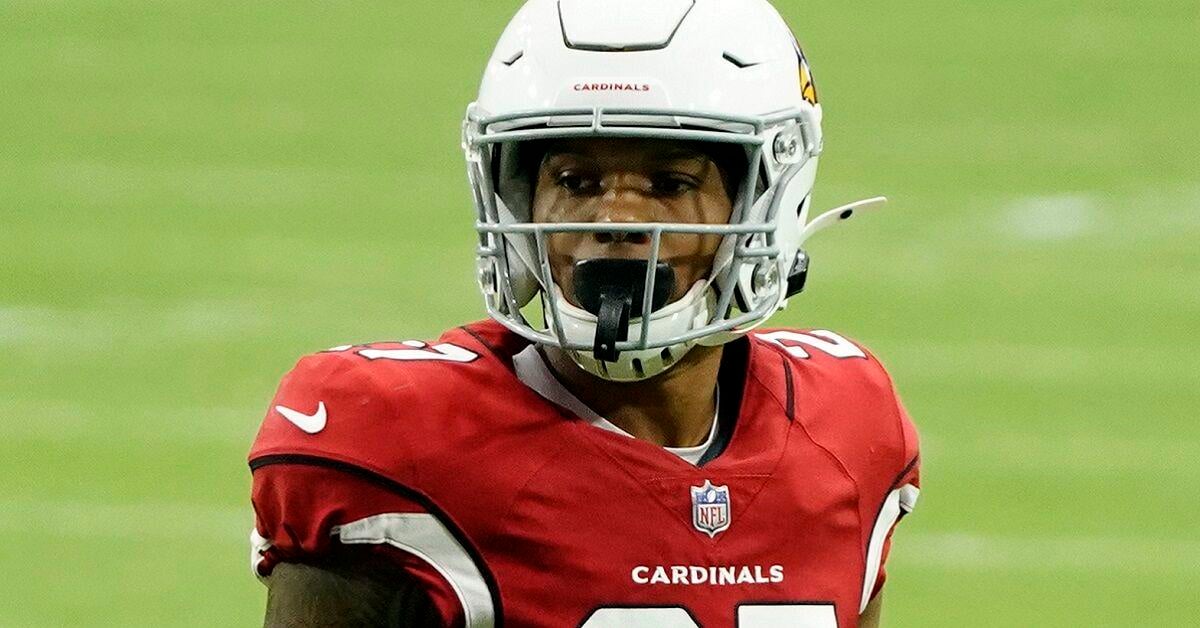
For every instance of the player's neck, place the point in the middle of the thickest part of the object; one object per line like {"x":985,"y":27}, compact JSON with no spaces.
{"x":674,"y":409}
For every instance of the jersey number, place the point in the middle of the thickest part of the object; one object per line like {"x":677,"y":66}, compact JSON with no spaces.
{"x":819,"y":339}
{"x":418,"y":350}
{"x":748,"y":616}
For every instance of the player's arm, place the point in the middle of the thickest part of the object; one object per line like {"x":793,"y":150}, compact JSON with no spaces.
{"x":896,"y":478}
{"x":870,"y":615}
{"x":326,"y":540}
{"x":315,"y":579}
{"x":352,"y":587}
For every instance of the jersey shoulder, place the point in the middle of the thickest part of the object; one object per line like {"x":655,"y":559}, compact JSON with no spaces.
{"x":847,"y":403}
{"x":370,"y":404}
{"x":831,"y":366}
{"x":835,"y":355}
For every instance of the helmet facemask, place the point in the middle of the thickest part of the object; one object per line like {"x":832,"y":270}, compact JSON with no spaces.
{"x":614,"y":340}
{"x":707,"y":71}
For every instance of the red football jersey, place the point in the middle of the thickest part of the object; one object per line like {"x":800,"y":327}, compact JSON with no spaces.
{"x":512,"y":511}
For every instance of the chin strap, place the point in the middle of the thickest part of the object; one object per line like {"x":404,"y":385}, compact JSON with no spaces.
{"x":612,"y":322}
{"x":799,"y":275}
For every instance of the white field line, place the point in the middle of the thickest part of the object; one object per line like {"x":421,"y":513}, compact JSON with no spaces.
{"x":1049,"y":218}
{"x":989,"y":358}
{"x":166,"y":521}
{"x":1145,"y":215}
{"x":1090,"y":455}
{"x":62,"y":420}
{"x":975,"y":552}
{"x":105,"y":328}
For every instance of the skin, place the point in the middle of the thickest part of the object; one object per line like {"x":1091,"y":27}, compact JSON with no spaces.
{"x":612,"y":180}
{"x":870,"y":614}
{"x":351,"y":587}
{"x":590,"y":180}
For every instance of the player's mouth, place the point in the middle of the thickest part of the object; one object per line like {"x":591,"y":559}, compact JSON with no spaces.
{"x":614,"y":290}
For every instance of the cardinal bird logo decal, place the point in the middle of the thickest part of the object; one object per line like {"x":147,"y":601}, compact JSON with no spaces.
{"x":808,"y":89}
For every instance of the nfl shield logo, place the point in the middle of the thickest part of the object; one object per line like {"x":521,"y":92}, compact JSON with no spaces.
{"x":710,"y":508}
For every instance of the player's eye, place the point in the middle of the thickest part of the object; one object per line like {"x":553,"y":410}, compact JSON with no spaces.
{"x":673,"y":184}
{"x":576,"y":183}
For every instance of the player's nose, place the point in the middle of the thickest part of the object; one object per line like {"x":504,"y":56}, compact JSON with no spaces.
{"x":624,"y":200}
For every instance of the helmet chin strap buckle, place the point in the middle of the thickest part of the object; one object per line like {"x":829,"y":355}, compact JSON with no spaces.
{"x":799,"y":275}
{"x":614,"y":290}
{"x":612,"y":323}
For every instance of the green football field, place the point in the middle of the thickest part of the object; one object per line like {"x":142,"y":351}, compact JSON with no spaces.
{"x":193,"y":194}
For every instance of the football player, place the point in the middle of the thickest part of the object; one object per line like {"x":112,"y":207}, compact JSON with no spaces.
{"x":622,"y":443}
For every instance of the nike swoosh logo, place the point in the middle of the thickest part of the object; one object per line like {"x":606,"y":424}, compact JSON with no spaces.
{"x":309,"y":423}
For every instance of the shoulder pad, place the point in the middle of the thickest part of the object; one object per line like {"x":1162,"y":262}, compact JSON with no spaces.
{"x":324,"y":404}
{"x":807,"y":343}
{"x":848,"y":403}
{"x":365,"y":404}
{"x":829,"y":357}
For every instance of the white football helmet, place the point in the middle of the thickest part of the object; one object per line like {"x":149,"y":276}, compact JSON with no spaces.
{"x":720,"y":71}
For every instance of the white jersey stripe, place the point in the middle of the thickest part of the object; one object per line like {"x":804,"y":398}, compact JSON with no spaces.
{"x":259,"y":545}
{"x":908,"y":497}
{"x":903,"y":498}
{"x":423,"y":536}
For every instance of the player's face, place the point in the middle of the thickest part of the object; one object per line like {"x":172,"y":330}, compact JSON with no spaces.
{"x":625,"y":180}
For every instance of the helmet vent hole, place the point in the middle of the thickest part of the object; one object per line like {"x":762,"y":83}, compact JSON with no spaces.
{"x":514,"y":58}
{"x":846,"y":214}
{"x":739,"y":63}
{"x":638,"y":368}
{"x":667,"y":358}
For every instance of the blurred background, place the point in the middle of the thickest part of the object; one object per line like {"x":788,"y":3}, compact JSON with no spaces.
{"x":192,"y":195}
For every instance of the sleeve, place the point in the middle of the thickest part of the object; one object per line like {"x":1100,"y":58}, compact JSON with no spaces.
{"x":303,"y":512}
{"x":900,"y":500}
{"x":321,"y":480}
